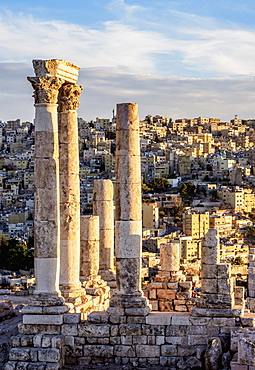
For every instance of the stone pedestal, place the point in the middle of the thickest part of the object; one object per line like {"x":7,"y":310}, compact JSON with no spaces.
{"x":170,"y":291}
{"x":128,"y":298}
{"x":103,"y":207}
{"x":217,"y":289}
{"x":69,"y":192}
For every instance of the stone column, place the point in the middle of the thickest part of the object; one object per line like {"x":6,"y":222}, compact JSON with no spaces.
{"x":89,"y":248}
{"x":170,"y":257}
{"x":128,"y":298}
{"x":46,"y":225}
{"x":103,"y":207}
{"x":69,"y":192}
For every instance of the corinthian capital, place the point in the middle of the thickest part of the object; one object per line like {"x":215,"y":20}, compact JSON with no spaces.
{"x":68,"y":98}
{"x":46,"y":88}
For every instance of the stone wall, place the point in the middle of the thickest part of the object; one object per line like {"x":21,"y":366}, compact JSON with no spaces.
{"x":173,"y":340}
{"x":170,"y":296}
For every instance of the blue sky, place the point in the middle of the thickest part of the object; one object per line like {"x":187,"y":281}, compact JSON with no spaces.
{"x":180,"y":58}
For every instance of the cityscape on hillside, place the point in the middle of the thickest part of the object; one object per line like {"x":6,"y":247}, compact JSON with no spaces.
{"x":196,"y":173}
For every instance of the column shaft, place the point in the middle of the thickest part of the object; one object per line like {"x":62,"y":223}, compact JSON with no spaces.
{"x":128,"y":298}
{"x":89,"y":247}
{"x":46,"y":225}
{"x":69,"y":190}
{"x":103,"y":207}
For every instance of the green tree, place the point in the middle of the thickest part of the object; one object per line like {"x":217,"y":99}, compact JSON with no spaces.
{"x":15,"y":256}
{"x":159,"y":185}
{"x":187,"y":192}
{"x":4,"y":251}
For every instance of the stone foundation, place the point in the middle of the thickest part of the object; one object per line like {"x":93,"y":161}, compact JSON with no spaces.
{"x":172,"y":340}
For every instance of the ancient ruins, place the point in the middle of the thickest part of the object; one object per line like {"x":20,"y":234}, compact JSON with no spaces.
{"x":84,"y":311}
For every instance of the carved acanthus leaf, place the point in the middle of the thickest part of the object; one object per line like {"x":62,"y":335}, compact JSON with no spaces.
{"x":46,"y":88}
{"x":68,"y":98}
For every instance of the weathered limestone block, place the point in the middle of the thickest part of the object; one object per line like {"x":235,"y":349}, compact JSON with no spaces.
{"x":128,"y":279}
{"x":213,"y":354}
{"x":210,"y":253}
{"x":42,"y":319}
{"x":128,"y":239}
{"x":68,"y":159}
{"x":46,"y":169}
{"x":125,"y":208}
{"x":209,"y":286}
{"x":224,"y":270}
{"x":187,"y":285}
{"x":246,"y":352}
{"x":217,"y":312}
{"x":56,"y":67}
{"x":129,"y":162}
{"x":49,"y":355}
{"x":147,"y":351}
{"x":225,"y":286}
{"x":69,"y":188}
{"x":180,"y":308}
{"x":45,"y":285}
{"x":183,"y":295}
{"x":166,"y":294}
{"x":170,"y":257}
{"x":209,"y":271}
{"x":6,"y":308}
{"x":173,"y":286}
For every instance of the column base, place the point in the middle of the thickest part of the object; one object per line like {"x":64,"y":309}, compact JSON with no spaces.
{"x":129,"y":305}
{"x":237,"y":311}
{"x":73,"y":293}
{"x":44,"y":300}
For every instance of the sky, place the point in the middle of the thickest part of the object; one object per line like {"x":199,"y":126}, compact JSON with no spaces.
{"x":176,"y":58}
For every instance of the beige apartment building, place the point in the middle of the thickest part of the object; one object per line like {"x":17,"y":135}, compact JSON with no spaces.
{"x":184,"y":164}
{"x":189,"y":248}
{"x":238,"y":198}
{"x":195,"y":224}
{"x":150,"y":212}
{"x":223,"y":223}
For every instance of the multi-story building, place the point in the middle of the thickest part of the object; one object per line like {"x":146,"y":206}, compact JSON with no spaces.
{"x":195,"y":224}
{"x":150,"y":212}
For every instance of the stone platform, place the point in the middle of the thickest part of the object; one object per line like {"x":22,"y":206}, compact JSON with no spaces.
{"x":169,"y":339}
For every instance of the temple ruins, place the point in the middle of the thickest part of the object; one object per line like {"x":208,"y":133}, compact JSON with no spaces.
{"x":89,"y":307}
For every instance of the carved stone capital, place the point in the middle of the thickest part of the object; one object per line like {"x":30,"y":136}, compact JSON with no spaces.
{"x":68,"y":98}
{"x":46,"y":88}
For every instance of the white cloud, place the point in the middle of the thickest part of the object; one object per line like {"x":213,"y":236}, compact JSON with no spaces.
{"x":117,"y":45}
{"x":201,"y":46}
{"x":193,"y":46}
{"x":170,"y":96}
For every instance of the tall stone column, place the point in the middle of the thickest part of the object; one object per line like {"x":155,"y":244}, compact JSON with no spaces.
{"x":46,"y":224}
{"x":128,"y":298}
{"x":103,"y":207}
{"x":69,"y":192}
